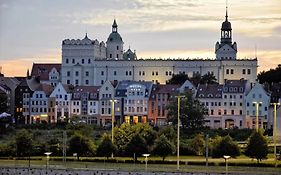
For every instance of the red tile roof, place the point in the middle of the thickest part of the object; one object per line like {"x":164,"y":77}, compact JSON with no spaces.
{"x":42,"y":70}
{"x":48,"y":89}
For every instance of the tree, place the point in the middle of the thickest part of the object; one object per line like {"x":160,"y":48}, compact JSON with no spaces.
{"x":257,"y":146}
{"x":178,"y":79}
{"x":3,"y":103}
{"x":124,"y":134}
{"x":226,"y":146}
{"x":272,"y":75}
{"x":169,"y":132}
{"x":163,"y":147}
{"x":195,"y":79}
{"x":23,"y":143}
{"x":136,"y":146}
{"x":106,"y":147}
{"x":81,"y":145}
{"x":191,"y":112}
{"x":208,"y":78}
{"x":197,"y":144}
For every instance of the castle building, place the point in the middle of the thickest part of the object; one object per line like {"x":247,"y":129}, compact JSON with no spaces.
{"x":89,"y":62}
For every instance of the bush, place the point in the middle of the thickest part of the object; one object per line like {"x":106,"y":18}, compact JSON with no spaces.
{"x":257,"y":146}
{"x":163,"y":147}
{"x":226,"y":146}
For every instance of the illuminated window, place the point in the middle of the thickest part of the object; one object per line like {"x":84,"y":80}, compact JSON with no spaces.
{"x":143,"y":119}
{"x":127,"y":119}
{"x":136,"y":119}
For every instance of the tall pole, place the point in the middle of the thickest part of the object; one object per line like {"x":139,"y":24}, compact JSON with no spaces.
{"x":257,"y":115}
{"x":207,"y":149}
{"x":274,"y":130}
{"x":112,"y":119}
{"x":178,"y":139}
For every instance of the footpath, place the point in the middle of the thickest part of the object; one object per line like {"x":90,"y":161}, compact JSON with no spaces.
{"x":40,"y":171}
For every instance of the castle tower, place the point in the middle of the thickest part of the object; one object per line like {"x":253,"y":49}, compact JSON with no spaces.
{"x":225,"y":50}
{"x":114,"y":44}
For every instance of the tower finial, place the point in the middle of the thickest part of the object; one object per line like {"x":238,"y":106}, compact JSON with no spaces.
{"x":226,"y":7}
{"x":114,"y":26}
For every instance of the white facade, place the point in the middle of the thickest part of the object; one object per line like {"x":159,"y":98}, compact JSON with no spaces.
{"x":84,"y":64}
{"x":54,"y":77}
{"x":106,"y":93}
{"x":157,"y":70}
{"x":75,"y":107}
{"x":62,"y":98}
{"x":93,"y":107}
{"x":225,"y":103}
{"x":35,"y":107}
{"x":257,"y":96}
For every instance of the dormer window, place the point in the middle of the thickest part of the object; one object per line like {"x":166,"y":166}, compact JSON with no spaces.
{"x":225,"y":89}
{"x":240,"y":89}
{"x":210,"y":95}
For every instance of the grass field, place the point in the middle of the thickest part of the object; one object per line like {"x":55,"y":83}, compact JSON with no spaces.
{"x":215,"y":168}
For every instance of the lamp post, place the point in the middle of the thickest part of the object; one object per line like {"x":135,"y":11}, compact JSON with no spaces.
{"x":112,"y":120}
{"x":146,"y":159}
{"x":274,"y":130}
{"x":257,"y":114}
{"x":226,"y":165}
{"x":47,"y":160}
{"x":178,"y":139}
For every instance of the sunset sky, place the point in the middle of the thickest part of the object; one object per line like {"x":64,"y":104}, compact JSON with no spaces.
{"x":32,"y":30}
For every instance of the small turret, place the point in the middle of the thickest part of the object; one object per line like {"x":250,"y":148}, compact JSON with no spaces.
{"x":114,"y":44}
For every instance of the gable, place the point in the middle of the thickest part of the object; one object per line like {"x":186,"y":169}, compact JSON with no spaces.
{"x":226,"y":49}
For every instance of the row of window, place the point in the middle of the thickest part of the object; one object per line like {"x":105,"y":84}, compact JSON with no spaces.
{"x":76,"y":110}
{"x":106,"y":95}
{"x":92,"y":111}
{"x":76,"y":83}
{"x":76,"y":103}
{"x":133,"y":93}
{"x":219,"y":103}
{"x":135,"y":102}
{"x":227,"y":112}
{"x":59,"y":96}
{"x":110,"y":56}
{"x":135,"y":109}
{"x":38,"y":103}
{"x":233,"y":96}
{"x":231,"y":71}
{"x":74,"y":62}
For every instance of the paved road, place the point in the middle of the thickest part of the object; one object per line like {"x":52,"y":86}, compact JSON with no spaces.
{"x":39,"y":171}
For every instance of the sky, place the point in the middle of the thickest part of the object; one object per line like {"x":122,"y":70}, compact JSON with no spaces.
{"x":33,"y":30}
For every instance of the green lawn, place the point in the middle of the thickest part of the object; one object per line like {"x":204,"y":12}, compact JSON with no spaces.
{"x":151,"y":167}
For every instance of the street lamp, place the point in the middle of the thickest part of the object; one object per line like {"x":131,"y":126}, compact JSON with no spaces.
{"x":257,"y":114}
{"x":178,"y":143}
{"x":112,"y":120}
{"x":146,"y":159}
{"x":47,"y":160}
{"x":274,"y":130}
{"x":226,"y":167}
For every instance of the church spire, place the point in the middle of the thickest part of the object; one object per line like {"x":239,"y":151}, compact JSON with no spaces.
{"x":114,"y":26}
{"x":226,"y":14}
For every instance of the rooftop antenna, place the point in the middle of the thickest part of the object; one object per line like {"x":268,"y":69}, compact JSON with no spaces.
{"x":226,"y":6}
